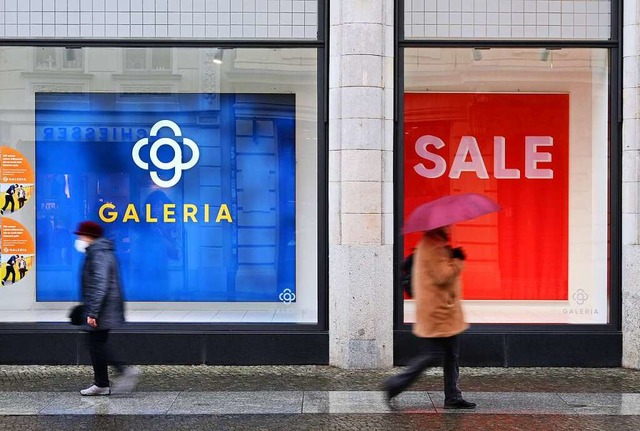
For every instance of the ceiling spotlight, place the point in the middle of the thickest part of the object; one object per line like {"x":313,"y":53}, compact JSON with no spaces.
{"x":217,"y":57}
{"x":477,"y":53}
{"x":546,"y":52}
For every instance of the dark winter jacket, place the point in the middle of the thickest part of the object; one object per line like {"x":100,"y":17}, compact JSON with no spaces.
{"x":101,"y":290}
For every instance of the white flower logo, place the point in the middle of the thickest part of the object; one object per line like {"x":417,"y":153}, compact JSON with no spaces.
{"x":580,"y":296}
{"x":287,"y":296}
{"x":176,"y":164}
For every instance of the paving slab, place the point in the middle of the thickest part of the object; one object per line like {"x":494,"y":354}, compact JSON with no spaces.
{"x":24,"y":403}
{"x":143,"y":403}
{"x":364,"y":402}
{"x":233,"y":402}
{"x":509,"y":403}
{"x":604,"y":404}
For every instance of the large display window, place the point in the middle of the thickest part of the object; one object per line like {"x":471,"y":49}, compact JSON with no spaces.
{"x":528,"y":128}
{"x":201,"y":164}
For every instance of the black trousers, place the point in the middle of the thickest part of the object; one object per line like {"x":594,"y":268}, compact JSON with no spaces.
{"x":10,"y":271}
{"x":9,"y":200}
{"x":101,"y":357}
{"x":434,"y":352}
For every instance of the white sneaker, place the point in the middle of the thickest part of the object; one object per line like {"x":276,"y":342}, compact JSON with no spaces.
{"x":94,"y":390}
{"x":127,"y":381}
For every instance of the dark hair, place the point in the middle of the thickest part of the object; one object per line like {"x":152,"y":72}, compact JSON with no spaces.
{"x":439,"y":232}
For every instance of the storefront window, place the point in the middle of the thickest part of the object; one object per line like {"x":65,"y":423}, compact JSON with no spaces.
{"x":528,"y":128}
{"x":205,"y":179}
{"x":52,"y":58}
{"x":147,"y":59}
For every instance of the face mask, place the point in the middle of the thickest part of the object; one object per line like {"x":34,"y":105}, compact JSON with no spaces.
{"x":81,"y":246}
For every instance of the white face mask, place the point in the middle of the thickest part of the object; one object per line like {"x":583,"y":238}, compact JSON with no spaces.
{"x":81,"y":245}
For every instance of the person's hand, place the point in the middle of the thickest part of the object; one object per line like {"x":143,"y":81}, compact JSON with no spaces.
{"x":92,"y":322}
{"x":458,"y":253}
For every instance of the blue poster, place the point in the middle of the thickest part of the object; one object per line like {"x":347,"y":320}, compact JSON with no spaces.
{"x":196,"y":191}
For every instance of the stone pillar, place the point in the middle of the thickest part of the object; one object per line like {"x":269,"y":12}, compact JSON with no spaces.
{"x":630,"y":201}
{"x":361,"y":183}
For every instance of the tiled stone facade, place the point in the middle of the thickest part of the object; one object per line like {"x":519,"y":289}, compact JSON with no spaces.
{"x":630,"y":198}
{"x":360,"y":190}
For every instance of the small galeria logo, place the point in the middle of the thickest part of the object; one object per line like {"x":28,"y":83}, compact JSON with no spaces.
{"x":176,"y":164}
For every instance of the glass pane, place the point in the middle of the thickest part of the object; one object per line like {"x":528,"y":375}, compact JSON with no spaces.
{"x":161,"y":58}
{"x":529,"y":129}
{"x":531,"y":19}
{"x":207,"y":20}
{"x":135,"y":58}
{"x":72,"y":58}
{"x":205,"y":182}
{"x":46,"y":58}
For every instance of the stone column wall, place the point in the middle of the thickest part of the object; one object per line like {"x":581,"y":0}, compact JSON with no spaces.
{"x":630,"y":199}
{"x":361,"y":183}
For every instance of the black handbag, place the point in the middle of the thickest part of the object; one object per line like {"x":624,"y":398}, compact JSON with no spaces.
{"x":76,"y":315}
{"x":405,"y":275}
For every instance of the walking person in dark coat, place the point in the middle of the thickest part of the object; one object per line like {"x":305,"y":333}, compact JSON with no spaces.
{"x":103,"y":307}
{"x":436,"y":286}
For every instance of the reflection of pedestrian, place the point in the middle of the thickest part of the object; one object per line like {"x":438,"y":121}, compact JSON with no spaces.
{"x":22,"y":196}
{"x":8,"y":198}
{"x":153,"y":250}
{"x":10,"y":269}
{"x":439,"y":319}
{"x":103,"y":307}
{"x":22,"y":267}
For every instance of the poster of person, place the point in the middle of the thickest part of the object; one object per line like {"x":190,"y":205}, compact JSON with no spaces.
{"x":15,"y":267}
{"x":14,"y":196}
{"x":16,"y":180}
{"x":18,"y":252}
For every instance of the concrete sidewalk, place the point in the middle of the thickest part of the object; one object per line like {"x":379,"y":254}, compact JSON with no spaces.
{"x":312,"y":402}
{"x":320,"y":397}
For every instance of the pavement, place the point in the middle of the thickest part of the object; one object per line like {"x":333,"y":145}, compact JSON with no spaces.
{"x":320,"y":397}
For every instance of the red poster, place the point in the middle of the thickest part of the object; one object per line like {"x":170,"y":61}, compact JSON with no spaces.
{"x":513,"y":148}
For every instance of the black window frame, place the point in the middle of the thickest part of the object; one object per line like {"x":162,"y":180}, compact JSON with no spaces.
{"x":321,"y":45}
{"x":614,"y":47}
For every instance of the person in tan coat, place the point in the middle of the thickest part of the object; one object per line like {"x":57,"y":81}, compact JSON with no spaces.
{"x":436,"y":288}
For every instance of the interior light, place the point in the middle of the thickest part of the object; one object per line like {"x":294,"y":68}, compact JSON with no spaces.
{"x":217,"y":56}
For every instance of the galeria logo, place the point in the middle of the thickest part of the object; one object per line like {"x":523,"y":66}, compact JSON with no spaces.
{"x":176,"y":164}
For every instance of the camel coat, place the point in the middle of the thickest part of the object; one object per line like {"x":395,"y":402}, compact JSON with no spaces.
{"x":436,"y":288}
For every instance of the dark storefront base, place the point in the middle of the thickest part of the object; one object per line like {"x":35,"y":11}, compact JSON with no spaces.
{"x":566,"y":349}
{"x":68,"y":348}
{"x":563,"y":349}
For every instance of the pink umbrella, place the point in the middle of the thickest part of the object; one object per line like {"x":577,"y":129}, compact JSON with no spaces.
{"x":449,"y":210}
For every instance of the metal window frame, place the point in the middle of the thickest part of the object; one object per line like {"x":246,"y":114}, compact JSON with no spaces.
{"x":321,"y":45}
{"x":614,"y":47}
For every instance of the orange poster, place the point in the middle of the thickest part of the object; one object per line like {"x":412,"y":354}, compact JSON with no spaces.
{"x":17,"y":251}
{"x":16,"y":181}
{"x":14,"y":167}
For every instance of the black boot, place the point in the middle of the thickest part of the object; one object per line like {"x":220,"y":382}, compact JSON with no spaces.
{"x":459,"y":404}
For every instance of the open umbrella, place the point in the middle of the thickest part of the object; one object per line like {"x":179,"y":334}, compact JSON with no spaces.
{"x":449,"y":210}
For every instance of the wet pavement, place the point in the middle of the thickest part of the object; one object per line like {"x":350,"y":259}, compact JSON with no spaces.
{"x":320,"y":397}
